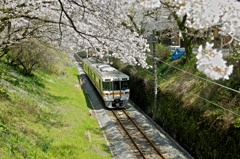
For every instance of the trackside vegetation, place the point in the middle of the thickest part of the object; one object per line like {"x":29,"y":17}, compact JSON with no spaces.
{"x":202,"y":116}
{"x":45,"y":115}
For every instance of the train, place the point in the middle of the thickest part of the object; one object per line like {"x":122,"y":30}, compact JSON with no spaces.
{"x":111,"y":84}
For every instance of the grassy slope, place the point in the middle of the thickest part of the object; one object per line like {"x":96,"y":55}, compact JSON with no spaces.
{"x":47,"y":116}
{"x":191,"y":110}
{"x":185,"y":107}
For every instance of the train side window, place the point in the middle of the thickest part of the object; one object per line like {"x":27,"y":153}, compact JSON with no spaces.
{"x":100,"y":84}
{"x":124,"y":85}
{"x":116,"y":85}
{"x":107,"y":86}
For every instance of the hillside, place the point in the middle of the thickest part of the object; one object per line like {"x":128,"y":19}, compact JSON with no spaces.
{"x":201,"y":114}
{"x":46,"y":115}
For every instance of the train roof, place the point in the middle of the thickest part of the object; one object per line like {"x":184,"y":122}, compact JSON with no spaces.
{"x":105,"y":70}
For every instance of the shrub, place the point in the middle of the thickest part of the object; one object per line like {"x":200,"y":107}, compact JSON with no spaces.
{"x":30,"y":55}
{"x":163,"y":52}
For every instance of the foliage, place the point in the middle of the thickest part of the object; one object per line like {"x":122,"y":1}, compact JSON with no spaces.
{"x":184,"y":110}
{"x":3,"y":92}
{"x":40,"y":120}
{"x":31,"y":55}
{"x":120,"y":27}
{"x":163,"y":52}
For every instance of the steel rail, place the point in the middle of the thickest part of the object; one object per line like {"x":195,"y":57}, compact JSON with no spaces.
{"x":135,"y":144}
{"x":134,"y":123}
{"x":151,"y":143}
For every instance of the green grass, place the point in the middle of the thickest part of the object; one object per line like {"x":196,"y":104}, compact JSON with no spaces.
{"x":47,"y":116}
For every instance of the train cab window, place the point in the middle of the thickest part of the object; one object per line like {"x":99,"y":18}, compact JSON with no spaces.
{"x":107,"y":85}
{"x":124,"y":85}
{"x":116,"y":85}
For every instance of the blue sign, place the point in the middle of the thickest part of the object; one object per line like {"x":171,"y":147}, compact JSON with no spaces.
{"x":178,"y":53}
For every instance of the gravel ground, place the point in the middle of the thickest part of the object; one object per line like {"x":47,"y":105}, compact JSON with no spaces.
{"x":119,"y":148}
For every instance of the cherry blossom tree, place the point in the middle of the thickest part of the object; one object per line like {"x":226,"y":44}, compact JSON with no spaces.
{"x":118,"y":26}
{"x":195,"y":18}
{"x":202,"y":16}
{"x":99,"y":26}
{"x":144,"y":18}
{"x":22,"y":20}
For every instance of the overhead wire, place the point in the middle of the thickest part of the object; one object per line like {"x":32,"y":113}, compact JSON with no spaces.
{"x":199,"y":77}
{"x":212,"y":82}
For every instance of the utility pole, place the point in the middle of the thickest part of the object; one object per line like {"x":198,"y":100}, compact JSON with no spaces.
{"x":155,"y":75}
{"x":87,"y":53}
{"x":107,"y":56}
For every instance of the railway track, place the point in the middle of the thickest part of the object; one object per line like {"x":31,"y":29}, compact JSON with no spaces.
{"x":136,"y":146}
{"x":78,"y":59}
{"x":142,"y":147}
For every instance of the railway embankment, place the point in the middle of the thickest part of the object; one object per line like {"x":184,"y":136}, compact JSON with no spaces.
{"x":46,"y":114}
{"x":200,"y":114}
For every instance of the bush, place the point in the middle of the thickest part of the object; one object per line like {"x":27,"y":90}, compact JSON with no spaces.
{"x":163,"y":52}
{"x":30,"y":55}
{"x":202,"y":129}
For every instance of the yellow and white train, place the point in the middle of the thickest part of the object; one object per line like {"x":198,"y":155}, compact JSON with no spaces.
{"x":112,"y":85}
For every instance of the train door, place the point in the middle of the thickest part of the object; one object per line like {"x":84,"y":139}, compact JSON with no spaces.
{"x":116,"y":85}
{"x":117,"y":92}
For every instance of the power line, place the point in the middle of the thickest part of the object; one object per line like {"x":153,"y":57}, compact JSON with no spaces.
{"x":236,"y":91}
{"x":189,"y":73}
{"x":217,"y":105}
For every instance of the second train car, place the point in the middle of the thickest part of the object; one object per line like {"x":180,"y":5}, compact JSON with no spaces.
{"x":112,"y":84}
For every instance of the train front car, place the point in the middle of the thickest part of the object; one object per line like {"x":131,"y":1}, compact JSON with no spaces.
{"x":116,"y":90}
{"x":112,"y":84}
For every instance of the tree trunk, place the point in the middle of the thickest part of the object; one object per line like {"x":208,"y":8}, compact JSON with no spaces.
{"x":188,"y":48}
{"x":187,"y":39}
{"x":4,"y":51}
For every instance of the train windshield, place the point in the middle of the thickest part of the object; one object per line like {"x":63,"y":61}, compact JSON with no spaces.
{"x":124,"y":85}
{"x":107,"y":85}
{"x":116,"y":85}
